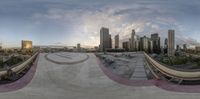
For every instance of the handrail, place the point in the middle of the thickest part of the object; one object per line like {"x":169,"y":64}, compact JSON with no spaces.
{"x":185,"y":75}
{"x":20,"y":66}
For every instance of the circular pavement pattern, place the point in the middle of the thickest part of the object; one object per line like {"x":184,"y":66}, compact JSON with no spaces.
{"x":67,"y":58}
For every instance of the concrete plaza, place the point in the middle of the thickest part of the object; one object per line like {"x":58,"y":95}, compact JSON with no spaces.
{"x":84,"y":80}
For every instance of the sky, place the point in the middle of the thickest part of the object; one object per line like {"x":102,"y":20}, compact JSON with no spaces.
{"x":68,"y":22}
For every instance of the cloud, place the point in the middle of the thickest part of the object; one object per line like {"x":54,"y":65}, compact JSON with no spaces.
{"x":120,"y":19}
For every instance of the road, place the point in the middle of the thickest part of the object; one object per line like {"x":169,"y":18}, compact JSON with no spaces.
{"x":84,"y":81}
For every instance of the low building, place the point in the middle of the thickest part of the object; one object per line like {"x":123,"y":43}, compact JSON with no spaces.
{"x":178,"y":48}
{"x":78,"y":47}
{"x":26,"y":45}
{"x":184,"y":47}
{"x":197,"y":48}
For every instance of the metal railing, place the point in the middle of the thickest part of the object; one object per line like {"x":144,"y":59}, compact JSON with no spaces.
{"x":184,"y":75}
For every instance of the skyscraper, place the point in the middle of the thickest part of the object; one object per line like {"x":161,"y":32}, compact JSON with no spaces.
{"x":171,"y":42}
{"x":165,"y":46}
{"x":150,"y":46}
{"x":137,"y":43}
{"x":156,"y":42}
{"x":144,"y":44}
{"x":105,"y":39}
{"x":132,"y":41}
{"x":117,"y":41}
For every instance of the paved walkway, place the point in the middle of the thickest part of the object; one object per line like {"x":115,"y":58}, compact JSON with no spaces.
{"x":139,"y":71}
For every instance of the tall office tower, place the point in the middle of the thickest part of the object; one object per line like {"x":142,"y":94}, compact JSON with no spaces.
{"x":171,"y":42}
{"x":144,"y":44}
{"x":110,"y":41}
{"x":125,"y":45}
{"x":79,"y":47}
{"x":132,"y":41}
{"x":117,"y":41}
{"x":165,"y":46}
{"x":150,"y":46}
{"x":137,"y":43}
{"x":184,"y":47}
{"x":26,"y":45}
{"x":156,"y":42}
{"x":104,"y":39}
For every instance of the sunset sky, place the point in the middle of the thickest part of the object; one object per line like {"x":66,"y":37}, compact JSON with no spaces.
{"x":68,"y":22}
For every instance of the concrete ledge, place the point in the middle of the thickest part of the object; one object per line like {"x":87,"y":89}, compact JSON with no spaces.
{"x":22,"y":82}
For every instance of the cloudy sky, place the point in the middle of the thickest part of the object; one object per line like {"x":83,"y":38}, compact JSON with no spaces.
{"x":68,"y":22}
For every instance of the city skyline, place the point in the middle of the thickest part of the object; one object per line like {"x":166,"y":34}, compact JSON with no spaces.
{"x":71,"y":22}
{"x":113,"y":49}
